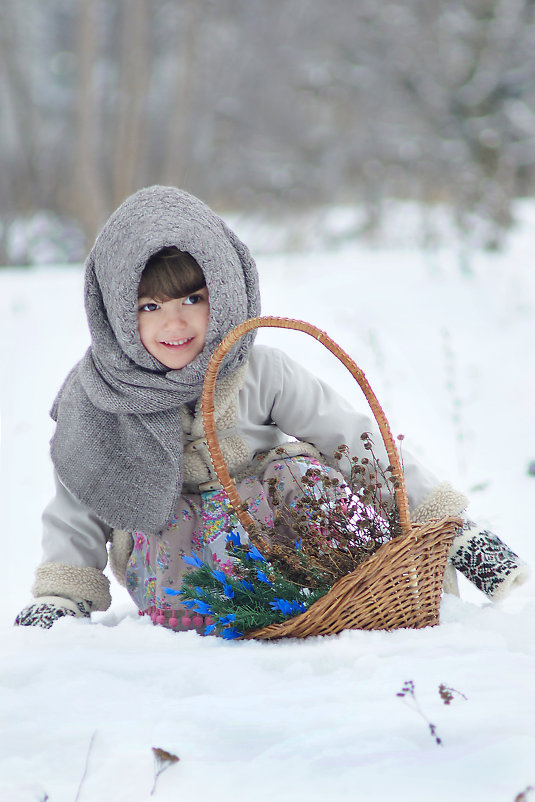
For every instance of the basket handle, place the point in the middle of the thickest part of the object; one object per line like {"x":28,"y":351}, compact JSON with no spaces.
{"x":207,"y":407}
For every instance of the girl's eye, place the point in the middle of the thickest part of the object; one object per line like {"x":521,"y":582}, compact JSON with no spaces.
{"x":193,"y":299}
{"x":150,"y":307}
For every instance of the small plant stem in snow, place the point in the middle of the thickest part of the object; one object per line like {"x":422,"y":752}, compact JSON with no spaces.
{"x":163,"y":760}
{"x":84,"y":775}
{"x":447,"y":695}
{"x":408,"y":690}
{"x":525,"y":795}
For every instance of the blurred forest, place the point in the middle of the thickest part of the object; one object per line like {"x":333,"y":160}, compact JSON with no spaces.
{"x":265,"y":105}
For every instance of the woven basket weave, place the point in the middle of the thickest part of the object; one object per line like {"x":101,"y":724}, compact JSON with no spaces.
{"x":401,"y":584}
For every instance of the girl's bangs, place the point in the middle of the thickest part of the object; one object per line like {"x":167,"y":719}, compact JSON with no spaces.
{"x":170,"y":273}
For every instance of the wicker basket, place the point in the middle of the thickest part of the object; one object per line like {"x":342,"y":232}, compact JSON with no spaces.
{"x":401,"y":584}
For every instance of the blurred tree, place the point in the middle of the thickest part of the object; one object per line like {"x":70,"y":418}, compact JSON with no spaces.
{"x":248,"y":103}
{"x":179,"y":121}
{"x":467,"y":71}
{"x":20,"y":115}
{"x":88,"y":195}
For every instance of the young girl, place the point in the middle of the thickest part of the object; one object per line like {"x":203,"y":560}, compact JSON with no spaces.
{"x":165,"y":281}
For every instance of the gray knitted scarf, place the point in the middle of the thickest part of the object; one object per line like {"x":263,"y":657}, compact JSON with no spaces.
{"x":118,"y":443}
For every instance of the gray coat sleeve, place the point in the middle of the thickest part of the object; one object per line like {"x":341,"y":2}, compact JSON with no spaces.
{"x":74,"y":554}
{"x":284,"y":393}
{"x":72,"y":533}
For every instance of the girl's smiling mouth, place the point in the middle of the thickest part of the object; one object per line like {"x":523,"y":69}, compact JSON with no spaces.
{"x":176,"y":343}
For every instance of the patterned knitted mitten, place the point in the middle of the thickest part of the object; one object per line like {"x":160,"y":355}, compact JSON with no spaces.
{"x":44,"y":611}
{"x":487,"y":561}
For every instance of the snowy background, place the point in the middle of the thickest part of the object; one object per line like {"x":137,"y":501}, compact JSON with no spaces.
{"x":448,"y":345}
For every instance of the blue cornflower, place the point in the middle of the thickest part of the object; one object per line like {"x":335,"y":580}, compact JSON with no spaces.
{"x":287,"y":607}
{"x":254,"y":554}
{"x":227,"y":619}
{"x":172,"y":591}
{"x":202,"y":608}
{"x":209,"y":629}
{"x":284,"y":606}
{"x":234,"y":538}
{"x":220,"y":576}
{"x":228,"y":590}
{"x":262,"y":577}
{"x":188,"y":603}
{"x":298,"y":544}
{"x":193,"y":560}
{"x":230,"y":633}
{"x":247,"y":585}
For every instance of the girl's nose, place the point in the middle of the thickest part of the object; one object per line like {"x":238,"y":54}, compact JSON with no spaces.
{"x":175,"y":316}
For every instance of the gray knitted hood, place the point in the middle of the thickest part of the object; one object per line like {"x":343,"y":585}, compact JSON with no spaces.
{"x":118,"y":441}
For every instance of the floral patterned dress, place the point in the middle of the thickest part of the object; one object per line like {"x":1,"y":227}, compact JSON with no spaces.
{"x":199,"y":527}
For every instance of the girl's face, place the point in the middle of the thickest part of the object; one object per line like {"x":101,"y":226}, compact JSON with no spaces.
{"x":174,"y":330}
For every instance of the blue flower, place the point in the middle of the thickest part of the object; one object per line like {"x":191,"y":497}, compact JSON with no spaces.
{"x":172,"y":591}
{"x":230,"y":633}
{"x":287,"y":607}
{"x":189,"y":604}
{"x":193,"y":560}
{"x":202,"y":608}
{"x":227,"y":619}
{"x":247,"y":585}
{"x":281,"y":604}
{"x":262,"y":577}
{"x":234,"y":538}
{"x":298,"y":544}
{"x":209,"y":629}
{"x":228,"y":590}
{"x":254,"y":554}
{"x":220,"y":576}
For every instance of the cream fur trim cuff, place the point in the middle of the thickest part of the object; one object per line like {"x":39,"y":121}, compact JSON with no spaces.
{"x":443,"y":502}
{"x":73,"y":582}
{"x":450,"y":584}
{"x":120,"y":549}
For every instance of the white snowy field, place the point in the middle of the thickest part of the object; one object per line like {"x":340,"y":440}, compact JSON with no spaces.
{"x":450,"y":357}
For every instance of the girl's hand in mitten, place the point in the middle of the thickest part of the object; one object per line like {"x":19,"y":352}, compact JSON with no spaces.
{"x":45,"y":610}
{"x":487,"y":561}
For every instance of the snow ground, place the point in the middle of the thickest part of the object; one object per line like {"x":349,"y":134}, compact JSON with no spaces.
{"x":450,"y":357}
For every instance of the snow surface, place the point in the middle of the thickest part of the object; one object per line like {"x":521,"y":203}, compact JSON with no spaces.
{"x":450,"y":356}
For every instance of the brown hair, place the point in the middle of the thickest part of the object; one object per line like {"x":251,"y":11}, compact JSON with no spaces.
{"x":170,"y":273}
